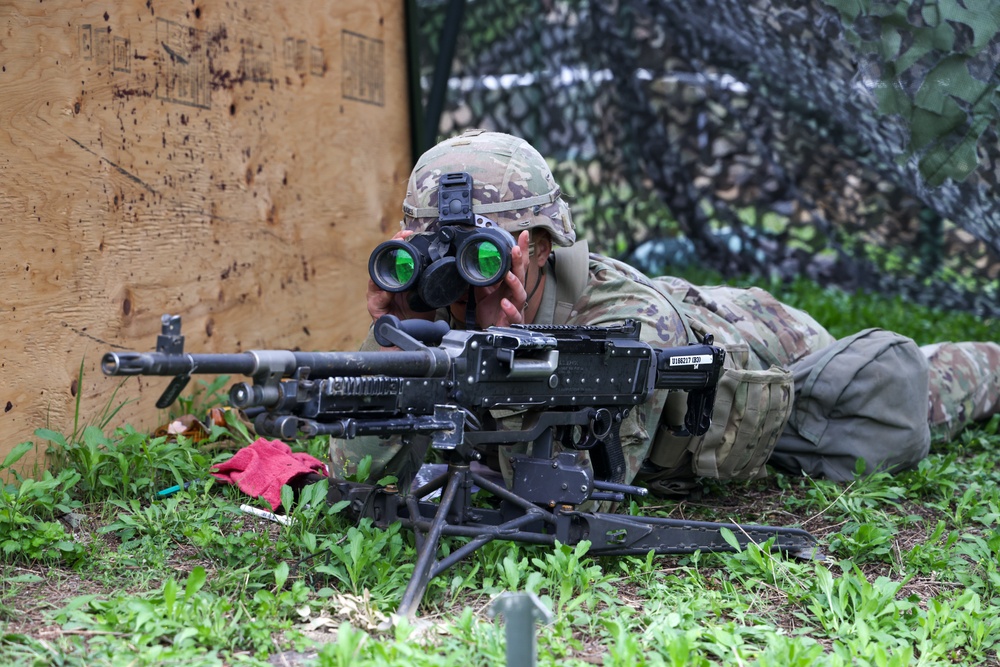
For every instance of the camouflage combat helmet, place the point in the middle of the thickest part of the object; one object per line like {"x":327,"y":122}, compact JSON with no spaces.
{"x":512,"y":185}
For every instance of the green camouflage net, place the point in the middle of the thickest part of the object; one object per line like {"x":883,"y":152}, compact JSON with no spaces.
{"x":851,"y":141}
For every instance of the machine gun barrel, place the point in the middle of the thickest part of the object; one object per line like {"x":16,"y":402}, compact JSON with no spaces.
{"x":423,"y":363}
{"x":159,"y":363}
{"x":268,"y":368}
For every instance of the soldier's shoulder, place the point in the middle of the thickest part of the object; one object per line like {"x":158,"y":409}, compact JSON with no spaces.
{"x":614,"y":278}
{"x":608,"y":268}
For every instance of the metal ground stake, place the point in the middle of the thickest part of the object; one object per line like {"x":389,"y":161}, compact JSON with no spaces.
{"x":520,"y":612}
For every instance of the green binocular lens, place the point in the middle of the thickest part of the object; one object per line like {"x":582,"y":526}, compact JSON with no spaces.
{"x":486,"y":260}
{"x":484,"y":257}
{"x":393,"y":266}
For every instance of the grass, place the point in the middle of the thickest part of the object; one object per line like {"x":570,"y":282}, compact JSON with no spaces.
{"x":96,"y":569}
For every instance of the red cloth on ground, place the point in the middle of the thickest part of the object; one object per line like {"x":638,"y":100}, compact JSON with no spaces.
{"x":261,"y":469}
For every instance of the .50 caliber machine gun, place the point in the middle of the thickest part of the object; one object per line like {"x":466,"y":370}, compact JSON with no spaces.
{"x":572,"y":386}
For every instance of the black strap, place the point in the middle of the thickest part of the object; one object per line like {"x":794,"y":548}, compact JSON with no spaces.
{"x":470,"y":310}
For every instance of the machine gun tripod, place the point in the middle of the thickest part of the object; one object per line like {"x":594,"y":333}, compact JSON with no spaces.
{"x":523,"y":516}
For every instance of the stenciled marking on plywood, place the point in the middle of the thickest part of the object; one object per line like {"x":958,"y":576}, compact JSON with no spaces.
{"x":255,"y":59}
{"x":182,"y":74}
{"x":303,"y":57}
{"x":122,"y":61}
{"x":295,"y":54}
{"x":187,"y":66}
{"x":317,"y":63}
{"x":363,"y":68}
{"x":103,"y":48}
{"x":86,"y":41}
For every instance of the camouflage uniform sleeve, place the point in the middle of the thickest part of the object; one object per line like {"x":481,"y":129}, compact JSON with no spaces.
{"x":616,"y":292}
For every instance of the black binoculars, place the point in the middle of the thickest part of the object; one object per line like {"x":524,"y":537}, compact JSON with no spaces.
{"x":438,"y":267}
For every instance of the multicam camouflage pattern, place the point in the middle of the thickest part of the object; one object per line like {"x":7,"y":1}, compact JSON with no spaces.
{"x":964,"y":377}
{"x":758,"y":332}
{"x":752,"y":325}
{"x":504,"y":169}
{"x":775,"y":333}
{"x":964,"y":385}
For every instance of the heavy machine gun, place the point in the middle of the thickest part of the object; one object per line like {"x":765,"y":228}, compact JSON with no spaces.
{"x":571,"y":385}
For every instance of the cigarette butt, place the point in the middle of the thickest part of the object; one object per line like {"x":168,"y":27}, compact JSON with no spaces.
{"x":270,"y":516}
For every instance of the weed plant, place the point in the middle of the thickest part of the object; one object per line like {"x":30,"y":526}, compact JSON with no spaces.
{"x":98,"y":569}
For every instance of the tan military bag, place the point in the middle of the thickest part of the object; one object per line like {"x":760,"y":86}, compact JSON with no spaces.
{"x":751,"y":409}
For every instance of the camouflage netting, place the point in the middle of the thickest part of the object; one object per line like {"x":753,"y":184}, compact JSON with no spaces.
{"x":851,"y":141}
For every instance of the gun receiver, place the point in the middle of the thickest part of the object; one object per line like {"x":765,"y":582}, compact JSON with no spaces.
{"x":574,"y":385}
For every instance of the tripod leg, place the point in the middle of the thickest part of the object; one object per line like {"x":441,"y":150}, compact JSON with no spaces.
{"x":503,"y":531}
{"x":414,"y":510}
{"x":425,"y":558}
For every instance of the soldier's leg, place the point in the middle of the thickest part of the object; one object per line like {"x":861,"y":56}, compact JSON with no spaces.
{"x":776,"y":332}
{"x":964,"y":385}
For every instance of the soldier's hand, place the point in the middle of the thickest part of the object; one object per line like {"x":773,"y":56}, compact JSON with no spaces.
{"x":503,"y":304}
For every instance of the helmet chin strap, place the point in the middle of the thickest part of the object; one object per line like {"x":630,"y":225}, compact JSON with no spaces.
{"x":538,"y":281}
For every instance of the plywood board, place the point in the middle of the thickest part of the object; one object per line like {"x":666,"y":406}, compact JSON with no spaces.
{"x":231,"y":162}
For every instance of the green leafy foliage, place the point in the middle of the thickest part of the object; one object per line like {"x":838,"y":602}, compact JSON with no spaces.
{"x":129,"y":464}
{"x":367,"y":558}
{"x":926,"y":65}
{"x":29,"y":513}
